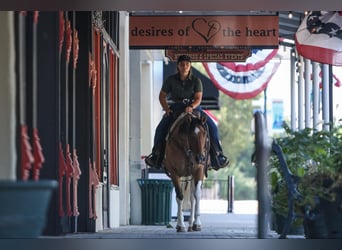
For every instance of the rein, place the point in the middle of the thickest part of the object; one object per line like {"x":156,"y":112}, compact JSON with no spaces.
{"x":207,"y":146}
{"x":174,"y":125}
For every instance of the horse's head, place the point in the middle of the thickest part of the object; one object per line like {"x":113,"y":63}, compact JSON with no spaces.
{"x":198,"y":137}
{"x":189,"y":134}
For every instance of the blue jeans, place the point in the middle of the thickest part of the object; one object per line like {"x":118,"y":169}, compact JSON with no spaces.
{"x":166,"y":122}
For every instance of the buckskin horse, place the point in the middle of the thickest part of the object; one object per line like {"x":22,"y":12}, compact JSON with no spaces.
{"x":186,"y":157}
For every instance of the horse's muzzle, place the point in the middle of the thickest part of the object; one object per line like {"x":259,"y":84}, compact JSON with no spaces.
{"x":200,"y":159}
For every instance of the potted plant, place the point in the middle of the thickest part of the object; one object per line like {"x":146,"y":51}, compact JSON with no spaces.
{"x":314,"y":158}
{"x":292,"y":145}
{"x":321,"y":186}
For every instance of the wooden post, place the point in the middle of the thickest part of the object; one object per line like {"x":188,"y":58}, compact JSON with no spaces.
{"x":230,"y":194}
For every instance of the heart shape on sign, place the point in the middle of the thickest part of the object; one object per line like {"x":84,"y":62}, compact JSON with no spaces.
{"x":206,"y":29}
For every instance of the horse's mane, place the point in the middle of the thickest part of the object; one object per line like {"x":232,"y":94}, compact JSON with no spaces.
{"x":184,"y":122}
{"x":177,"y":121}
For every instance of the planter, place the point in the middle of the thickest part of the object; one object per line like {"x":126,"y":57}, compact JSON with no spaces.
{"x":325,"y":222}
{"x":24,"y":207}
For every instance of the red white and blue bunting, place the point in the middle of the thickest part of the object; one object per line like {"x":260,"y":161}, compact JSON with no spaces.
{"x":211,"y":116}
{"x":319,"y":37}
{"x":244,"y":80}
{"x":258,"y":59}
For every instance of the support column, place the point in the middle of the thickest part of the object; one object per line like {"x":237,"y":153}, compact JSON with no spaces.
{"x":325,"y":96}
{"x":124,"y":121}
{"x":307,"y":92}
{"x":300,"y":94}
{"x":316,"y":94}
{"x":293,"y":90}
{"x":135,"y":136}
{"x":146,"y":107}
{"x":7,"y":97}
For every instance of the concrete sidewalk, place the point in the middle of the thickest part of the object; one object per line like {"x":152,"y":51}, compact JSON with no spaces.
{"x":213,"y":226}
{"x":216,"y":224}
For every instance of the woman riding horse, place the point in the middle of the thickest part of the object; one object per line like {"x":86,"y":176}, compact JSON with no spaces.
{"x":185,"y":91}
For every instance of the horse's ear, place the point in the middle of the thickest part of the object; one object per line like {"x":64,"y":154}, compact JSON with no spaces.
{"x":204,"y":119}
{"x":196,"y":113}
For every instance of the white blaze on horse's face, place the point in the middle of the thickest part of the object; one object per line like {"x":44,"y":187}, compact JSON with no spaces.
{"x":197,"y":130}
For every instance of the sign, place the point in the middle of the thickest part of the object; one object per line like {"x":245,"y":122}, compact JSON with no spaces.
{"x":163,"y":32}
{"x":210,"y":55}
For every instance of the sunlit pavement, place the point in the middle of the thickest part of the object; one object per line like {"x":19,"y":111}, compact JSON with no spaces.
{"x":216,"y":224}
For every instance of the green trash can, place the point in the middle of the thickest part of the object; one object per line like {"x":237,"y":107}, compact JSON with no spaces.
{"x":156,"y":201}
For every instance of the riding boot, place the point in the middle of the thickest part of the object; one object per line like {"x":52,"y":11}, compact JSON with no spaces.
{"x":161,"y":155}
{"x":155,"y":159}
{"x":217,"y":158}
{"x":151,"y":159}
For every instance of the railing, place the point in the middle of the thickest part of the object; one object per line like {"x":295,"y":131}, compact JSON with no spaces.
{"x":214,"y":189}
{"x":219,"y":189}
{"x":291,"y":183}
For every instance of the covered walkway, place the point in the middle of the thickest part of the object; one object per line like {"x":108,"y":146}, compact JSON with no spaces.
{"x":217,"y":224}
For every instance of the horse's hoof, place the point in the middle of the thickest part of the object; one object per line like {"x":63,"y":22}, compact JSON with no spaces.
{"x":190,"y":229}
{"x":180,"y":229}
{"x":196,"y":227}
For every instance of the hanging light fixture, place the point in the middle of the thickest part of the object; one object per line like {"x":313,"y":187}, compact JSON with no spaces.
{"x":290,"y":14}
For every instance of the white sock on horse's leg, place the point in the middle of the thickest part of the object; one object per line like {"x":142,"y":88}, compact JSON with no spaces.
{"x":197,"y":195}
{"x":180,"y":217}
{"x":193,"y":203}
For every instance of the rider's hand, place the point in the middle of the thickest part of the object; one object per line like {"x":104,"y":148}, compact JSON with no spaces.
{"x":168,"y":111}
{"x":189,"y":109}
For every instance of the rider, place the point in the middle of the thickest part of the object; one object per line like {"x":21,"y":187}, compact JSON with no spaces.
{"x":185,"y":91}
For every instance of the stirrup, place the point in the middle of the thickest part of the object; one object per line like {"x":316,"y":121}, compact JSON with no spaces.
{"x":223,"y":161}
{"x":150,"y":160}
{"x":220,"y":161}
{"x":153,"y":161}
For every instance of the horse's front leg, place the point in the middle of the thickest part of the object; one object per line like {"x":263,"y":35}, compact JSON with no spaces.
{"x":192,"y":208}
{"x":180,"y":227}
{"x":180,"y":217}
{"x":197,"y":225}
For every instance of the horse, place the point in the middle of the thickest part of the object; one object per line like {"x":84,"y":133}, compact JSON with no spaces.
{"x":187,"y":157}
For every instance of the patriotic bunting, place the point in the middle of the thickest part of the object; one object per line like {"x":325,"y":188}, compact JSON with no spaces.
{"x":211,"y":116}
{"x":336,"y":81}
{"x":257,"y":60}
{"x":319,"y":37}
{"x":244,"y":80}
{"x":241,"y":84}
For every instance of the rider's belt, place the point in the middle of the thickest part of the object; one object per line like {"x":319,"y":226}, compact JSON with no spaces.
{"x":184,"y":101}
